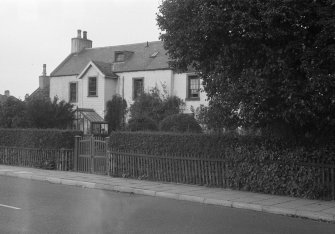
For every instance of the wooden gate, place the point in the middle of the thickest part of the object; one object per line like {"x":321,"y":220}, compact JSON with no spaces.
{"x":91,"y":154}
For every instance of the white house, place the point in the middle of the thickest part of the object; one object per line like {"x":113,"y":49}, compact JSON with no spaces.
{"x":89,"y":77}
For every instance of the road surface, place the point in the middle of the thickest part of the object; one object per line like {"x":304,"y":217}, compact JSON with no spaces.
{"x":28,"y":206}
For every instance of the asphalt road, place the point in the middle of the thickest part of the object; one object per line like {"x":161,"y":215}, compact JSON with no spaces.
{"x":28,"y":206}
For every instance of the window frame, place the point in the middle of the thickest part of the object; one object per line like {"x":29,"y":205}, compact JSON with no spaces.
{"x":133,"y":86}
{"x":116,"y":56}
{"x":188,"y":88}
{"x":96,"y":87}
{"x":76,"y":97}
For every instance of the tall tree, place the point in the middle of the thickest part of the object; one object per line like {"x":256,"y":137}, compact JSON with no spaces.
{"x":267,"y":62}
{"x":44,"y":113}
{"x":13,"y":113}
{"x":116,"y":111}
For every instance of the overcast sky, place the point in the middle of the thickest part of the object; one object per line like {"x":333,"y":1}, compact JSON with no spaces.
{"x":34,"y":32}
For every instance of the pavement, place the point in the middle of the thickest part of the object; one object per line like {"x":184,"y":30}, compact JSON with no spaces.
{"x":283,"y":205}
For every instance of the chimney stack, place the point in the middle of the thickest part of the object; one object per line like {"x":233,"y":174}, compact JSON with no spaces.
{"x":78,"y":33}
{"x":78,"y":43}
{"x":44,"y":80}
{"x":7,"y":94}
{"x":44,"y":70}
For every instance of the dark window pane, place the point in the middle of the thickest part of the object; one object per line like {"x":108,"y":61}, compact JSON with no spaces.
{"x":193,"y":87}
{"x":92,"y":86}
{"x":138,"y":87}
{"x":119,"y":57}
{"x":73,"y":92}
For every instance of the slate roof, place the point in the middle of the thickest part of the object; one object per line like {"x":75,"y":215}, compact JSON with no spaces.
{"x":40,"y":93}
{"x":105,"y":68}
{"x":138,"y":59}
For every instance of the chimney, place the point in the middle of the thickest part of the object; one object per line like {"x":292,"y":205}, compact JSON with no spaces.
{"x":7,"y":94}
{"x":78,"y":43}
{"x":78,"y":33}
{"x":44,"y":70}
{"x":44,"y":80}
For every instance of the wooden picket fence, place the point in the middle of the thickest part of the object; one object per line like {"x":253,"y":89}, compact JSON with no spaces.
{"x":56,"y":159}
{"x":202,"y":171}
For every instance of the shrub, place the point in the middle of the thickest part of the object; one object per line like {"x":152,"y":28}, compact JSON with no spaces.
{"x":156,"y":105}
{"x":116,"y":111}
{"x":38,"y":138}
{"x":180,"y":123}
{"x":44,"y":113}
{"x":142,"y":123}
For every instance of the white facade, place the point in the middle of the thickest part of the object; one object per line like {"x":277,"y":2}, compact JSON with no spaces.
{"x":176,"y":84}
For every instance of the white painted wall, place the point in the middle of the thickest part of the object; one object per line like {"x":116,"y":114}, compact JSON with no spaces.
{"x":111,"y":88}
{"x":59,"y":86}
{"x":176,"y":84}
{"x":151,"y":79}
{"x":97,"y":103}
{"x":180,"y":90}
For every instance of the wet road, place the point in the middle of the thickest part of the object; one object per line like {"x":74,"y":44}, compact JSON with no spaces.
{"x":28,"y":206}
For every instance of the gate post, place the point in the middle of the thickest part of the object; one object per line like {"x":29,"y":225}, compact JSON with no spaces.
{"x":92,"y":141}
{"x":76,"y":152}
{"x":108,"y":161}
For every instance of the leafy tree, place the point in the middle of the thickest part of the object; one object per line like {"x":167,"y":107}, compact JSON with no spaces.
{"x":263,"y":62}
{"x":44,"y":113}
{"x":116,"y":111}
{"x":155,"y":105}
{"x":12,"y":113}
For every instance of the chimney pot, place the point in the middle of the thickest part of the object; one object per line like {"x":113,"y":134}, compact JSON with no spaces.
{"x":78,"y":33}
{"x":85,"y":35}
{"x":44,"y":70}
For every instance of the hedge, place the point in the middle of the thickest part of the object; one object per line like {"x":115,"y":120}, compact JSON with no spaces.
{"x":252,"y":163}
{"x":38,"y":138}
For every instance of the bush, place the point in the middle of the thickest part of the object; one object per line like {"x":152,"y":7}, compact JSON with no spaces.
{"x":251,"y":163}
{"x":142,"y":123}
{"x":116,"y":111}
{"x":180,"y":123}
{"x":156,"y":105}
{"x":38,"y":138}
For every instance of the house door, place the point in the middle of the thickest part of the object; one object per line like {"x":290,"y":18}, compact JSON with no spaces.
{"x":91,"y":155}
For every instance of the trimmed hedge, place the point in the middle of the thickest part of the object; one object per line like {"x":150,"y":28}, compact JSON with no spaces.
{"x":252,"y":163}
{"x":38,"y":138}
{"x":180,"y":123}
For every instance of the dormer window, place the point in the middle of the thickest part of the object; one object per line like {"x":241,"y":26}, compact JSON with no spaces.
{"x":119,"y":56}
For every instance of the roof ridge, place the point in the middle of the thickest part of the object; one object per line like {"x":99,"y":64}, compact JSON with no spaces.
{"x":139,"y":43}
{"x":98,"y":61}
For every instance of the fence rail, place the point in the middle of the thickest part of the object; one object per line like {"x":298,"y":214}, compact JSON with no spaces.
{"x":203,"y":171}
{"x":56,"y":159}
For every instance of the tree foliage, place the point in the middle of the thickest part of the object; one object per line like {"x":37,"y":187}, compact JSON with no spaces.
{"x":44,"y":113}
{"x":156,"y":105}
{"x":262,"y":61}
{"x":13,"y":113}
{"x":37,"y":112}
{"x":116,"y":111}
{"x":142,"y":123}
